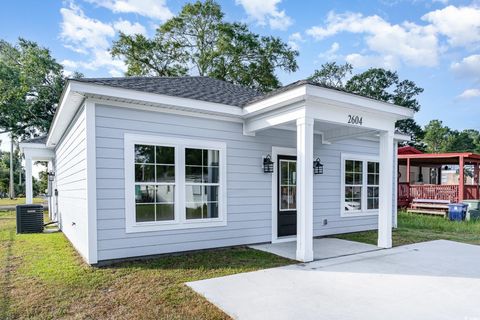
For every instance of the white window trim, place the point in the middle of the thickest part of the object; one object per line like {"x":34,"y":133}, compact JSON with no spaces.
{"x":180,"y":221}
{"x":358,"y":157}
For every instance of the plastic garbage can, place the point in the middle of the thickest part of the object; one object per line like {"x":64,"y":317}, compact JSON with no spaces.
{"x":457,"y":211}
{"x":473,"y":209}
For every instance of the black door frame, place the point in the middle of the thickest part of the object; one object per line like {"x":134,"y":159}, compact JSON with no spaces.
{"x":287,"y":219}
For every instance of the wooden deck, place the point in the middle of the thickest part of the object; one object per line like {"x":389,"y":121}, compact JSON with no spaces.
{"x":408,"y":193}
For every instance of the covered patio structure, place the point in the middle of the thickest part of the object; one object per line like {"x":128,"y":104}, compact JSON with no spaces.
{"x":437,"y":176}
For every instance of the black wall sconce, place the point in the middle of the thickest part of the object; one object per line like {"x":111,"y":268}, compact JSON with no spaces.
{"x":267,"y":164}
{"x":317,"y":166}
{"x":51,"y":175}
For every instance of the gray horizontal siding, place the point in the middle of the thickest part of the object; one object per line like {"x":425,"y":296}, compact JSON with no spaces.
{"x":71,"y":183}
{"x":248,"y":188}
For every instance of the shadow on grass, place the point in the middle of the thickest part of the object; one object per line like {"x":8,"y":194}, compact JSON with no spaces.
{"x":236,"y":259}
{"x":6,"y":275}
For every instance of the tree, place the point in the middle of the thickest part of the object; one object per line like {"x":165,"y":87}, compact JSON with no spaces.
{"x":31,"y":82}
{"x":436,"y":135}
{"x":199,"y":41}
{"x":331,"y":74}
{"x":376,"y":83}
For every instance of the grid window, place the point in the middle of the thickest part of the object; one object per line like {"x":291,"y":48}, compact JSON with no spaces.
{"x":202,"y":183}
{"x":154,"y":183}
{"x":353,"y":185}
{"x":373,"y":177}
{"x":288,"y":185}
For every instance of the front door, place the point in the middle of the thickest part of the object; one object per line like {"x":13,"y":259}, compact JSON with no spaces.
{"x":287,"y":196}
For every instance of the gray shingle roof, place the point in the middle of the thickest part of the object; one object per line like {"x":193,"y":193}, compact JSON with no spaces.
{"x":199,"y":88}
{"x":41,"y":139}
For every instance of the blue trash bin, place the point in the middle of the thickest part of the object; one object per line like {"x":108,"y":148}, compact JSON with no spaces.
{"x":457,"y":211}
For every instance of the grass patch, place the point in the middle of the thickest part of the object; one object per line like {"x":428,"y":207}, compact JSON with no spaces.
{"x":414,"y":228}
{"x":42,"y":277}
{"x":14,"y":202}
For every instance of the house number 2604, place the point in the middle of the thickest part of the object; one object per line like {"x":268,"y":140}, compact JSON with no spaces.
{"x":355,"y":120}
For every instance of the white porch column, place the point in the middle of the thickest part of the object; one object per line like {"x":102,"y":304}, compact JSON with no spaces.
{"x":386,"y":190}
{"x":304,"y":189}
{"x":28,"y":181}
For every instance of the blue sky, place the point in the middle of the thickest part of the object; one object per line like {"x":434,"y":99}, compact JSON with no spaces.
{"x":434,"y":43}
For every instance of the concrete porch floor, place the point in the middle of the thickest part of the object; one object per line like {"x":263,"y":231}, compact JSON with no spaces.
{"x":323,"y":248}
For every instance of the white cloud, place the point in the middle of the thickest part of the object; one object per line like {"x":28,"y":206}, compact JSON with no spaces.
{"x":461,"y":25}
{"x":155,"y":9}
{"x":469,"y":67}
{"x":266,"y":12}
{"x":366,"y":61}
{"x":294,"y":40}
{"x":470,"y":93}
{"x":80,"y":32}
{"x":330,"y":54}
{"x":92,"y":37}
{"x":408,"y":42}
{"x":129,"y":28}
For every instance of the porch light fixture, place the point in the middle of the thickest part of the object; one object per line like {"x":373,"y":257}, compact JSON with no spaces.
{"x":317,"y":166}
{"x":267,"y":164}
{"x":51,"y":175}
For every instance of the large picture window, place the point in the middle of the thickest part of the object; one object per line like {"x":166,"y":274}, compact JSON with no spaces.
{"x":360,"y":185}
{"x":173,"y":183}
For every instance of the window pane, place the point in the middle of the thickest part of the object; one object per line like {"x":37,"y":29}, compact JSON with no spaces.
{"x":292,"y":198}
{"x":211,"y":158}
{"x":193,"y":193}
{"x":372,"y":192}
{"x":194,"y":210}
{"x":372,"y":203}
{"x":165,"y":173}
{"x":193,"y":157}
{"x":284,"y":172}
{"x":210,"y":174}
{"x":165,"y":194}
{"x":210,"y":210}
{"x":348,"y":166}
{"x":357,"y":166}
{"x":165,"y":155}
{"x":193,"y":174}
{"x":292,"y":172}
{"x":144,"y":173}
{"x":145,"y":212}
{"x":144,"y":194}
{"x":165,"y":212}
{"x":348,"y":178}
{"x":353,"y":198}
{"x":357,"y":178}
{"x":144,"y":154}
{"x":211,"y":193}
{"x":284,"y":198}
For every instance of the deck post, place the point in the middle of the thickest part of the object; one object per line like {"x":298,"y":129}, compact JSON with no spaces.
{"x":386,"y":190}
{"x":304,"y":189}
{"x":461,"y":182}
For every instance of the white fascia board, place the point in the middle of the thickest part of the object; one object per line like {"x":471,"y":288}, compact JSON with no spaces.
{"x":75,"y":93}
{"x":351,"y":100}
{"x":155,"y":98}
{"x":276,"y":101}
{"x":402,"y":137}
{"x":27,"y":145}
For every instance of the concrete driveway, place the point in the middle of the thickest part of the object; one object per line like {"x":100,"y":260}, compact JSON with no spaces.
{"x":430,"y":280}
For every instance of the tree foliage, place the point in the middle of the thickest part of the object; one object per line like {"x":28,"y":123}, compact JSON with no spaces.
{"x":31,"y":82}
{"x":199,"y":41}
{"x":440,"y":138}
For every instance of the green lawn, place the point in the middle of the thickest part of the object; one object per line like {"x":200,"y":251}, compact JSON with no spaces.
{"x":416,"y":228}
{"x":42,"y":277}
{"x":14,"y":202}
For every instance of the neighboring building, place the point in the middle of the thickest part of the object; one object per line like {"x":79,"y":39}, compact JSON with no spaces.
{"x":436,"y":176}
{"x":146,"y":166}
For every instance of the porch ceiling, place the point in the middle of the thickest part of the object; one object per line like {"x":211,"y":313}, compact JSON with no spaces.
{"x":334,"y":132}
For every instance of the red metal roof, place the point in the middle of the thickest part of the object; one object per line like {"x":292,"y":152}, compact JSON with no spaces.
{"x":408,"y":150}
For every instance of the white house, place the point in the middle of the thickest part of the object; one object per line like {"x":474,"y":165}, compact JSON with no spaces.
{"x":146,"y":166}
